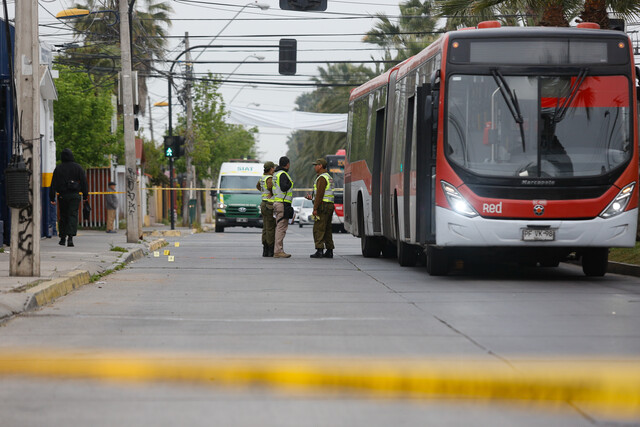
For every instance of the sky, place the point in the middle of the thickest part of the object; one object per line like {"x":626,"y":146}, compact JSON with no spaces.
{"x":333,"y":35}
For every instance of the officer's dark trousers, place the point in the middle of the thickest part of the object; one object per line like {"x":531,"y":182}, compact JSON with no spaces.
{"x":268,"y":224}
{"x":322,"y":233}
{"x":68,"y":220}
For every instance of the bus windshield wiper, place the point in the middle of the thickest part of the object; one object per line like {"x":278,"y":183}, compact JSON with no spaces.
{"x":561,"y":110}
{"x":511,"y":99}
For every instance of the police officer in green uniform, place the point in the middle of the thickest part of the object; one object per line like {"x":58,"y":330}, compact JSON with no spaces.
{"x":265,"y":185}
{"x":322,"y":210}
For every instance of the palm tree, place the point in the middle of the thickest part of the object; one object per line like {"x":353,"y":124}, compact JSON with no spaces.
{"x":306,"y":146}
{"x":555,"y":13}
{"x":413,"y":32}
{"x":551,"y":13}
{"x":100,"y":54}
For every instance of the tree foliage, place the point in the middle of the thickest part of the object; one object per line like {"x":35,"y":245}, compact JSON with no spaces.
{"x":552,"y":13}
{"x":99,"y":33}
{"x":306,"y":146}
{"x":83,"y":115}
{"x":414,"y":30}
{"x":215,"y":140}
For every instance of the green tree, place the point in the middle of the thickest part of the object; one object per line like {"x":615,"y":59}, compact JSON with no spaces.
{"x":306,"y":146}
{"x":215,"y":140}
{"x":414,"y":30}
{"x":83,"y":115}
{"x":553,"y":13}
{"x":100,"y":55}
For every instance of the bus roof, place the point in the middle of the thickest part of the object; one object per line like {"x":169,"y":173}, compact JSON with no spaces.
{"x":241,"y":168}
{"x":501,"y":32}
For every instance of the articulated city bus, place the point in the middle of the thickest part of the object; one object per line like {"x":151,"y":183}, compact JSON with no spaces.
{"x":518,"y":142}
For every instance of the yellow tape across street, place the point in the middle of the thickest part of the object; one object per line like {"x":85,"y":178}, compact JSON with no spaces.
{"x":610,"y":387}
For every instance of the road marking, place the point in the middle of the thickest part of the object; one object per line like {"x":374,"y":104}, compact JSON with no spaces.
{"x":609,"y":387}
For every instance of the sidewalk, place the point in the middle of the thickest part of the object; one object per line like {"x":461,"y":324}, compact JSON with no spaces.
{"x":63,"y":269}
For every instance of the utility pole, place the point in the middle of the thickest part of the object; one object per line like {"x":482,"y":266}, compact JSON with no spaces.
{"x":25,"y":222}
{"x":188,"y":144}
{"x":131,"y":175}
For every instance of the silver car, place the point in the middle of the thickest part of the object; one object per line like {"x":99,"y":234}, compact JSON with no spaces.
{"x":305,"y":213}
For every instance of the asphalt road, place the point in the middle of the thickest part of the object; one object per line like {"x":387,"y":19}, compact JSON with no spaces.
{"x":219,"y":297}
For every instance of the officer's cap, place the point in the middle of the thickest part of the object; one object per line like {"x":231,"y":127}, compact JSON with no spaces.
{"x":321,"y":162}
{"x":269,"y":165}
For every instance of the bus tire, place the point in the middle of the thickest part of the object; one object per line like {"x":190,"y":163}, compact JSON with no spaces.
{"x":407,"y":254}
{"x":437,"y":261}
{"x":219,"y":228}
{"x":389,"y":249}
{"x":595,"y":261}
{"x":369,"y":245}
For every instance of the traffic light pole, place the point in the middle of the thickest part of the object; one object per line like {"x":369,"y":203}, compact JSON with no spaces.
{"x":171,"y":193}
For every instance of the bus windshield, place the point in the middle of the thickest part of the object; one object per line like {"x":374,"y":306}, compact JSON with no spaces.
{"x":567,"y":126}
{"x":238,"y":184}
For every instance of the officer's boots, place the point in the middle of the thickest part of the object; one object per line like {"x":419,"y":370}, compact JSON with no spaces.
{"x":318,"y":254}
{"x":270,"y":249}
{"x":70,"y":241}
{"x":328,"y":254}
{"x":265,"y":250}
{"x":63,"y":240}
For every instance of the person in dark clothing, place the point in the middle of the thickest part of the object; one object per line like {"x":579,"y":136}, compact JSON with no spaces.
{"x":68,"y":181}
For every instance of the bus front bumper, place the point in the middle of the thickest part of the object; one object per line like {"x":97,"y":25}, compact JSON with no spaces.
{"x":453,"y":229}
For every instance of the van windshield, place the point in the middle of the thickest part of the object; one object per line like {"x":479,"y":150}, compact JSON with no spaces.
{"x":239,"y":184}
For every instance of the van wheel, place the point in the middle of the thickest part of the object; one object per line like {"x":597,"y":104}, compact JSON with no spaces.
{"x":437,"y":261}
{"x":219,"y":228}
{"x":595,"y":261}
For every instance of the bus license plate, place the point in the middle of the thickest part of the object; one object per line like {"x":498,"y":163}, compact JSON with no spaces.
{"x":529,"y":234}
{"x":242,"y":219}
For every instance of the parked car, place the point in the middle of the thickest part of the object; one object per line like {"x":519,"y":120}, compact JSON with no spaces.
{"x":296,"y":204}
{"x":305,"y":214}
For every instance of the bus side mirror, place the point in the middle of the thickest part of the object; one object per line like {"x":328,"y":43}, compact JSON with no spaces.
{"x":435,"y":80}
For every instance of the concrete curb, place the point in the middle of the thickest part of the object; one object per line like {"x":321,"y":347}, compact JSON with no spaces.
{"x":622,"y":268}
{"x":50,"y":290}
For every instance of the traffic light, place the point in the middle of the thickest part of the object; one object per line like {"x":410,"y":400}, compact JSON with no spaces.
{"x":287,"y":57}
{"x":304,"y":5}
{"x":178,"y":145}
{"x":173,"y":146}
{"x":168,"y":146}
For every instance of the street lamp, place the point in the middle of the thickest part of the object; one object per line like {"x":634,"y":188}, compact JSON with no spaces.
{"x":79,"y":13}
{"x":258,"y":57}
{"x":240,"y":90}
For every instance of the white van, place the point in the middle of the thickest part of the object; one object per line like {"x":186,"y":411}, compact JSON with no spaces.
{"x":237,"y":201}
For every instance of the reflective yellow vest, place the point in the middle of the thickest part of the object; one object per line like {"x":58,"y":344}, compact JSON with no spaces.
{"x":266,"y":195}
{"x":328,"y":190}
{"x":278,"y":194}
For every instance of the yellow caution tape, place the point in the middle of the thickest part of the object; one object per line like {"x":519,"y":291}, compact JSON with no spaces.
{"x":610,"y":387}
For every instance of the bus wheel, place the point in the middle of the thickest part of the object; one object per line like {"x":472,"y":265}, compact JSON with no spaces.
{"x":437,"y":261}
{"x":407,"y":254}
{"x":370,"y":247}
{"x":595,"y":261}
{"x":388,"y":249}
{"x":219,"y":228}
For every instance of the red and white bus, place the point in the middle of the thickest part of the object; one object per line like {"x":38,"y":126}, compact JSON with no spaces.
{"x":335,"y":166}
{"x":519,"y":142}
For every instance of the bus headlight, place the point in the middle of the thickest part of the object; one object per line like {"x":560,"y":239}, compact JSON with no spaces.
{"x":456,"y":201}
{"x":620,"y":202}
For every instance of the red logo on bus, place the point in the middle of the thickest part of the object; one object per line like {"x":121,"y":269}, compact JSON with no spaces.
{"x":538,"y":210}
